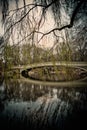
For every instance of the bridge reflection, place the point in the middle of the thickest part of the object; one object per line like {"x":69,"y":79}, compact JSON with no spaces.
{"x":32,"y":106}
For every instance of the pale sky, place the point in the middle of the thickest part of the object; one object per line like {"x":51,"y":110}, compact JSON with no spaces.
{"x":48,"y":25}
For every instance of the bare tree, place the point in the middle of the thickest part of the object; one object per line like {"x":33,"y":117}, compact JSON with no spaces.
{"x":25,"y":21}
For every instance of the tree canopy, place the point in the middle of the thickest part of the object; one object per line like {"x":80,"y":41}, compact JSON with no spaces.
{"x":29,"y":19}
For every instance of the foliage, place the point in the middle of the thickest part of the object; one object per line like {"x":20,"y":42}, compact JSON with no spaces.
{"x":23,"y":25}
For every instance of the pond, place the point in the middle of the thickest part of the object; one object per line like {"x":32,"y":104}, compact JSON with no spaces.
{"x":31,"y":106}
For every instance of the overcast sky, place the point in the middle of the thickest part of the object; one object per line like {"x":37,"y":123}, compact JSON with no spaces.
{"x":48,"y":25}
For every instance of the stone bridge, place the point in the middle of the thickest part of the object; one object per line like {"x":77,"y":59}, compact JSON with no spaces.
{"x":60,"y":84}
{"x":72,"y":64}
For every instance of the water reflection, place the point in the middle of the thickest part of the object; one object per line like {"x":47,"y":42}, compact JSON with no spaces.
{"x":25,"y":105}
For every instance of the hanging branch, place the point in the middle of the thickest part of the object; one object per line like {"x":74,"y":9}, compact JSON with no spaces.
{"x":44,"y":7}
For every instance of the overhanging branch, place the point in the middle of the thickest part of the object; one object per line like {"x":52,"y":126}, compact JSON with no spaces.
{"x":45,"y":7}
{"x":74,"y":14}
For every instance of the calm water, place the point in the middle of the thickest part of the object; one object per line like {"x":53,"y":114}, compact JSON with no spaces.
{"x":29,"y":106}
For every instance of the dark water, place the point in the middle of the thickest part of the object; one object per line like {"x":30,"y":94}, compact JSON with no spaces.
{"x":29,"y":106}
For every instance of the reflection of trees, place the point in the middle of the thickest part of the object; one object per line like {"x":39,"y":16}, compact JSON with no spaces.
{"x":24,"y":91}
{"x":46,"y":107}
{"x":56,"y":112}
{"x":18,"y":89}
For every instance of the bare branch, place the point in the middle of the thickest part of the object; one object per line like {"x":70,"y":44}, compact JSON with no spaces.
{"x":75,"y":12}
{"x":34,"y":6}
{"x":45,"y":7}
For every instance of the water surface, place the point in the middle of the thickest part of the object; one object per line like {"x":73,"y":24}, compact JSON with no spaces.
{"x":30,"y":106}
